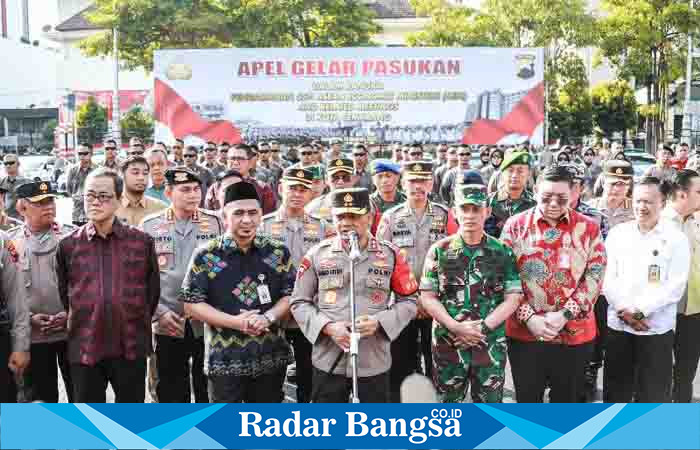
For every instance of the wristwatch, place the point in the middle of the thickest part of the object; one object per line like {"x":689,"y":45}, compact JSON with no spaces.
{"x":485,"y":329}
{"x":567,"y":314}
{"x":270,"y":317}
{"x":638,"y":316}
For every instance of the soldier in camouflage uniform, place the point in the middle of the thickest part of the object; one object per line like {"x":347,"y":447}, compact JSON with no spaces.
{"x":470,"y":285}
{"x":385,"y":176}
{"x":513,"y":197}
{"x":299,"y":232}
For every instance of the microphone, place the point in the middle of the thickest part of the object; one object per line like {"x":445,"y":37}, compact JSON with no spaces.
{"x":354,"y":244}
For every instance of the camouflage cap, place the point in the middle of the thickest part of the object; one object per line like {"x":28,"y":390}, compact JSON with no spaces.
{"x":471,"y":194}
{"x":515,"y":158}
{"x":317,"y":172}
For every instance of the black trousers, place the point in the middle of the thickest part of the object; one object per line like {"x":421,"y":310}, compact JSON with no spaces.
{"x":128,"y":380}
{"x":302,"y":356}
{"x":533,"y":364}
{"x":638,"y":368}
{"x":8,"y":388}
{"x":42,"y":377}
{"x":425,"y":327}
{"x":686,"y":354}
{"x":336,"y":388}
{"x":174,"y":370}
{"x":404,"y":358}
{"x":265,"y":388}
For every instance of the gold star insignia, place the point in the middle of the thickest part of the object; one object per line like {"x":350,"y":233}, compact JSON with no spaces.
{"x":417,"y":168}
{"x":180,"y":177}
{"x":618,"y":171}
{"x":339,"y":163}
{"x":43,"y":187}
{"x":348,"y":199}
{"x":300,"y":174}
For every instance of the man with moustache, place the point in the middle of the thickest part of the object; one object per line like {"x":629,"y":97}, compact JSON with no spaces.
{"x":321,"y":304}
{"x":513,"y":197}
{"x":413,"y":227}
{"x":449,"y":181}
{"x":36,"y":242}
{"x":134,"y":204}
{"x":111,"y":161}
{"x":339,"y":176}
{"x":240,"y":159}
{"x":210,"y":161}
{"x":177,"y":232}
{"x":298,"y":231}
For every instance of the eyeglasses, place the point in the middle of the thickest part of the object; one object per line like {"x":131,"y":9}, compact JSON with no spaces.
{"x":177,"y":146}
{"x":136,"y":153}
{"x":415,"y":154}
{"x":9,"y":163}
{"x":103,"y":198}
{"x":190,"y":155}
{"x":345,"y":178}
{"x":444,"y":150}
{"x":464,"y":155}
{"x":359,"y":155}
{"x":83,"y":153}
{"x":110,"y":149}
{"x":275,"y":151}
{"x":560,"y":199}
{"x":209,"y":149}
{"x":237,"y":158}
{"x":263,"y":152}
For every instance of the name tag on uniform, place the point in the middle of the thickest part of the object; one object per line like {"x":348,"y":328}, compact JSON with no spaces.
{"x":654,"y":274}
{"x":263,"y":291}
{"x":165,"y":247}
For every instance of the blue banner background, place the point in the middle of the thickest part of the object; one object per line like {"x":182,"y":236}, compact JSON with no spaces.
{"x":496,"y":426}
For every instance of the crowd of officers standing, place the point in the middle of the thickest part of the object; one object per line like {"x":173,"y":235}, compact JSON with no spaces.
{"x":205,"y":273}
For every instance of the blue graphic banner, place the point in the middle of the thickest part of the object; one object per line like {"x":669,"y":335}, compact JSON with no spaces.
{"x":316,"y":426}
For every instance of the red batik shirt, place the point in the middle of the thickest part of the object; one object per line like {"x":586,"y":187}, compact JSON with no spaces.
{"x":560,"y":266}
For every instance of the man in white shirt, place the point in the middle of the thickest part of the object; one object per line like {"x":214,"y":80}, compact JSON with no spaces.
{"x":648,"y":264}
{"x":683,"y":201}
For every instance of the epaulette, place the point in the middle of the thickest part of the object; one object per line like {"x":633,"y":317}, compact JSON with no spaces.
{"x":393,"y":209}
{"x":208,"y":212}
{"x":152,"y":216}
{"x":440,"y":206}
{"x":14,"y":230}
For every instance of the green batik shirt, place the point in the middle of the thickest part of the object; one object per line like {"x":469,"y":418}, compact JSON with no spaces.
{"x":471,"y":282}
{"x":503,"y":208}
{"x":383,"y":205}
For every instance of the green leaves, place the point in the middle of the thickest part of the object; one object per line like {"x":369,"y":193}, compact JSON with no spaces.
{"x":148,"y":25}
{"x":614,"y":106}
{"x":91,"y":119}
{"x":137,"y":123}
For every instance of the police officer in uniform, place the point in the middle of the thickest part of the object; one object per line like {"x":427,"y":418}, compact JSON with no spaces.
{"x":413,"y":227}
{"x":36,"y":242}
{"x":298,"y":231}
{"x":15,"y":328}
{"x":177,"y":232}
{"x":615,"y":202}
{"x":321,"y":304}
{"x":340,"y":176}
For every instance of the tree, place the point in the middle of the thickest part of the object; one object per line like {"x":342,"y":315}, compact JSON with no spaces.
{"x":91,"y":119}
{"x":614,"y":107}
{"x":570,"y":108}
{"x":148,"y":25}
{"x":48,"y":131}
{"x":556,"y":25}
{"x":137,"y":123}
{"x":645,"y":40}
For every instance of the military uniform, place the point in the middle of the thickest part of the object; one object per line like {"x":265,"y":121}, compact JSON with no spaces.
{"x":470,"y":282}
{"x":380,"y":166}
{"x":7,"y":189}
{"x":175,"y":241}
{"x":383,"y":205}
{"x":400,"y":226}
{"x":322,"y":295}
{"x":7,"y":223}
{"x":75,"y":183}
{"x":503,"y":207}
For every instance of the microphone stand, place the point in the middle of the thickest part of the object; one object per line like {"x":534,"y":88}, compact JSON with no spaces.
{"x":354,"y":335}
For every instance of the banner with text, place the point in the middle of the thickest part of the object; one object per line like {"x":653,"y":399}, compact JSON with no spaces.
{"x":428,"y":95}
{"x":360,"y":426}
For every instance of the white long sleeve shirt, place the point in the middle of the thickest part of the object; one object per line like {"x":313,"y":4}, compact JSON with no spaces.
{"x":627,"y":285}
